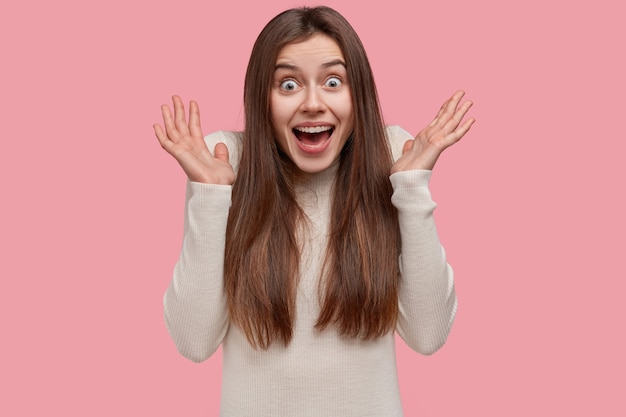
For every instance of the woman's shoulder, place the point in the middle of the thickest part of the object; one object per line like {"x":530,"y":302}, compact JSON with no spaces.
{"x":232,"y":140}
{"x":397,"y":136}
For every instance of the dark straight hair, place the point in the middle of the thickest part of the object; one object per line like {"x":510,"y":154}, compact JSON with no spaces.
{"x":359,"y":282}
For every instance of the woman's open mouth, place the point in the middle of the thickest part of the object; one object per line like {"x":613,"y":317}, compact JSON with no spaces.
{"x":313,"y":139}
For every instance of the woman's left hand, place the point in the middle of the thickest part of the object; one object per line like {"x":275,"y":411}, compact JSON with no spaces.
{"x":445,"y":130}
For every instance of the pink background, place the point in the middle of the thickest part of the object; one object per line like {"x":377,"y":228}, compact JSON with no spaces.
{"x":531,"y":202}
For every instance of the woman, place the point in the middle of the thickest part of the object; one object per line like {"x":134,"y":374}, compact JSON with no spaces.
{"x":309,"y":237}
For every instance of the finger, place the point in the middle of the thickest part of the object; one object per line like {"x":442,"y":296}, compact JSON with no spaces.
{"x":179,"y":116}
{"x":447,"y":109}
{"x":162,"y":137}
{"x":452,"y":105}
{"x":407,"y":146}
{"x":461,"y":131}
{"x":456,"y":97}
{"x":456,"y":118}
{"x":221,"y":152}
{"x":194,"y":119}
{"x":168,"y":121}
{"x":439,"y":113}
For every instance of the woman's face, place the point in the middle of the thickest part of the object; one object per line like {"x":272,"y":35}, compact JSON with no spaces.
{"x":311,"y":102}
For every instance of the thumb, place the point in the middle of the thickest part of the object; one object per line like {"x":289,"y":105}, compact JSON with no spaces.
{"x":407,"y":146}
{"x":221,"y":152}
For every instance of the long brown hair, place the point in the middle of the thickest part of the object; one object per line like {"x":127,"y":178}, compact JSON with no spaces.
{"x":359,"y":293}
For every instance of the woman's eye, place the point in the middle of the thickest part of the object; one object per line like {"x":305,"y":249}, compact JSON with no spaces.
{"x":333,"y":82}
{"x":288,"y":85}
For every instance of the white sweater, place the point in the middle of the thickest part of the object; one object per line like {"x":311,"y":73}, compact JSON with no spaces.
{"x":318,"y":373}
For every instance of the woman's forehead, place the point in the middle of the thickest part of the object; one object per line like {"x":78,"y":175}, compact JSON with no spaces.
{"x":317,"y":45}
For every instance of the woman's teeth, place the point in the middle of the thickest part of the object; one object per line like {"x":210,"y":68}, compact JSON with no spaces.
{"x":315,"y":129}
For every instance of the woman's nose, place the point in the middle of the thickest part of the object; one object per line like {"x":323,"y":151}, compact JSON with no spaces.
{"x":313,"y":101}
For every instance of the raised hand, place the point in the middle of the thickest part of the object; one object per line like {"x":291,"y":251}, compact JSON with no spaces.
{"x":445,"y":130}
{"x":185,"y":142}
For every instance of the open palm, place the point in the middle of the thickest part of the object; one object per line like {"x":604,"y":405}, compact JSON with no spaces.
{"x":445,"y":130}
{"x":185,"y":142}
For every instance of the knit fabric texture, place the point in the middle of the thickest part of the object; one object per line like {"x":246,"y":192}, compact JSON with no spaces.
{"x":319,"y":373}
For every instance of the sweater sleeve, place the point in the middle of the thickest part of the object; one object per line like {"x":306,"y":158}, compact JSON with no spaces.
{"x":195,"y":307}
{"x":426,"y":295}
{"x":427,"y":300}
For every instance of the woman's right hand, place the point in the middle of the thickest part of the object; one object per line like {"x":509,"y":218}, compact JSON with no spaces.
{"x":185,"y":142}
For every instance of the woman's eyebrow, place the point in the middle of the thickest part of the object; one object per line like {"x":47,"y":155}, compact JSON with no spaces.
{"x":333,"y":63}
